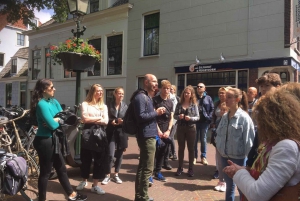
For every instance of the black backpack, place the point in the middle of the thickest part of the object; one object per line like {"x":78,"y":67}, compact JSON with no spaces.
{"x":129,"y":121}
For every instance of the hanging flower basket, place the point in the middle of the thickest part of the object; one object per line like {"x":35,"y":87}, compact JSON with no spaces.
{"x":75,"y":54}
{"x":76,"y":62}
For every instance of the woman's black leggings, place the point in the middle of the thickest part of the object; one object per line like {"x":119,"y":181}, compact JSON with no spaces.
{"x":48,"y":159}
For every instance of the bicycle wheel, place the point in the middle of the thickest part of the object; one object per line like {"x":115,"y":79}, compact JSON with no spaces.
{"x":30,"y":189}
{"x":23,"y":137}
{"x":31,"y":150}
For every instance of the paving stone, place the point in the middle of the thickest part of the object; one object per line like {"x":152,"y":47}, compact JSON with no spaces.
{"x":177,"y":188}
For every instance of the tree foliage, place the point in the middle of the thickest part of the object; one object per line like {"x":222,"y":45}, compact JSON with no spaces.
{"x":15,"y":10}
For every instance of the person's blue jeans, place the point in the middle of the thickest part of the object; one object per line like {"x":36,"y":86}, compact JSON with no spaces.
{"x":230,"y":186}
{"x":201,"y":133}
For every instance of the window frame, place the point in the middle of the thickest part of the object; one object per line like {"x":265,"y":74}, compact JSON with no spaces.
{"x":114,"y":49}
{"x":109,"y":92}
{"x":2,"y":59}
{"x":69,"y":74}
{"x":152,"y":53}
{"x":39,"y":61}
{"x":48,"y":64}
{"x":20,"y":39}
{"x":23,"y":95}
{"x":97,"y":63}
{"x":14,"y":66}
{"x":8,"y":93}
{"x":93,"y":3}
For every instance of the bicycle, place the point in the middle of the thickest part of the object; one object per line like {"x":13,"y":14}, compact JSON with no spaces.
{"x":11,"y":113}
{"x":29,"y":189}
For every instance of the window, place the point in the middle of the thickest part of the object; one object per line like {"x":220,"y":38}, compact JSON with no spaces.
{"x":1,"y":60}
{"x":181,"y":83}
{"x":8,"y":94}
{"x":36,"y":64}
{"x":284,"y":76}
{"x":20,"y":39}
{"x":243,"y":80}
{"x":48,"y":64}
{"x":68,"y":74}
{"x":23,"y":94}
{"x":97,"y":67}
{"x":114,"y":55}
{"x":159,"y":81}
{"x":151,"y":34}
{"x":13,"y":66}
{"x":140,"y":82}
{"x":109,"y":95}
{"x":218,"y":78}
{"x":94,"y":6}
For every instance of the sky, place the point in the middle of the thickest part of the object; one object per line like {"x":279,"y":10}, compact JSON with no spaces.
{"x":44,"y":15}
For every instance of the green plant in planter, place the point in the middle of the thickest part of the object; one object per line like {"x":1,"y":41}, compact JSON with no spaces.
{"x":74,"y":45}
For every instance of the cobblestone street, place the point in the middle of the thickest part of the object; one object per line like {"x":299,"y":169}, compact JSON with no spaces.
{"x":200,"y":187}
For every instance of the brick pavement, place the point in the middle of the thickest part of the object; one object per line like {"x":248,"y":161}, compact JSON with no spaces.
{"x":200,"y":187}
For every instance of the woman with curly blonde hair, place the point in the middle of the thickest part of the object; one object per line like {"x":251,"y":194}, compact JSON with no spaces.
{"x":278,"y":162}
{"x":187,"y":114}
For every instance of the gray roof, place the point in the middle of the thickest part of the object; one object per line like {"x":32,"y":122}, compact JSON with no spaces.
{"x":21,"y":53}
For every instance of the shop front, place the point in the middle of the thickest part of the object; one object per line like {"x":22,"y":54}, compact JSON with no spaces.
{"x":240,"y":74}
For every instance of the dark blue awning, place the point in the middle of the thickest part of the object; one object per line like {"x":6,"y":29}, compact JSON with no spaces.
{"x":284,"y":61}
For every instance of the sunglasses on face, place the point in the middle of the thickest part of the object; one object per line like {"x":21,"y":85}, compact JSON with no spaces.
{"x":200,"y":86}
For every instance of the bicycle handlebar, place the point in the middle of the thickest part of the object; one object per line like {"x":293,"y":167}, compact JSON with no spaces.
{"x":11,"y":120}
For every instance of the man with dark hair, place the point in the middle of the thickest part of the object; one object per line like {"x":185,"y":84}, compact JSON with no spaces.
{"x":267,"y":82}
{"x":147,"y":131}
{"x":206,"y":108}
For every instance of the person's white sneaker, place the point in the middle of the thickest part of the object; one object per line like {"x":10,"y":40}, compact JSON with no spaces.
{"x":98,"y":190}
{"x":117,"y":179}
{"x":81,"y":185}
{"x":105,"y":180}
{"x":223,"y":187}
{"x":217,"y":188}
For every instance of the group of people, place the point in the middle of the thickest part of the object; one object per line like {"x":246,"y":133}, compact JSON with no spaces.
{"x":95,"y":114}
{"x":254,"y":136}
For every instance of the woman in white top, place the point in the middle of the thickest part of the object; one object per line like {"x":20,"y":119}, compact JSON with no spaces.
{"x":94,"y":114}
{"x":278,"y":162}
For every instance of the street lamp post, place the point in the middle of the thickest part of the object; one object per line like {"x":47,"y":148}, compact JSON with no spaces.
{"x":78,"y":8}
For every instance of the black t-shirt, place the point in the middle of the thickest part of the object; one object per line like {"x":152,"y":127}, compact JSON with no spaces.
{"x":163,"y":120}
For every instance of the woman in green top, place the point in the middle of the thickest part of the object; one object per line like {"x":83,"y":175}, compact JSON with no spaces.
{"x":44,"y":107}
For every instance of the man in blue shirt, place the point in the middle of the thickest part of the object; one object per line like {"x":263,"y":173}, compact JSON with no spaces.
{"x":206,"y":108}
{"x":146,"y":134}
